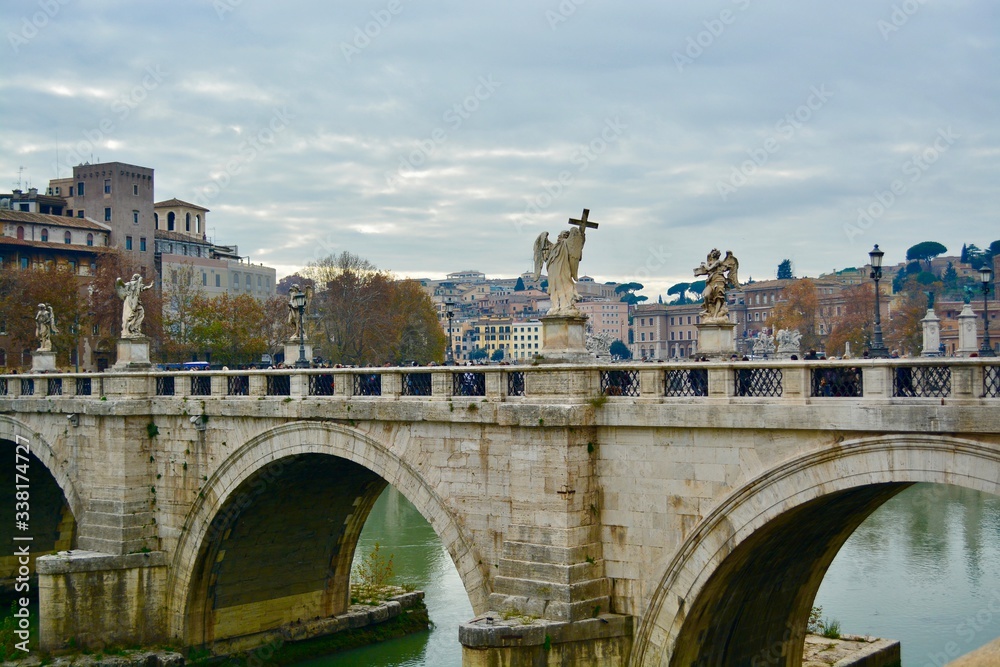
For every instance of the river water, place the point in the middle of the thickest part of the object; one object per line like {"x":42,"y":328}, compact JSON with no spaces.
{"x":923,"y":569}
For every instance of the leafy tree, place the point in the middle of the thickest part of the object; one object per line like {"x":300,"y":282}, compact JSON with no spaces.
{"x":628,"y":293}
{"x":950,"y":277}
{"x":974,"y":256}
{"x":619,"y":350}
{"x":994,"y":249}
{"x":497,"y":355}
{"x":925,"y":251}
{"x":20,"y":293}
{"x":519,"y":286}
{"x":681,"y":290}
{"x":477,"y":354}
{"x":365,"y":317}
{"x":797,"y":309}
{"x":855,"y":323}
{"x":785,"y":270}
{"x":229,"y":328}
{"x":284,"y":285}
{"x":904,"y":331}
{"x":697,"y":288}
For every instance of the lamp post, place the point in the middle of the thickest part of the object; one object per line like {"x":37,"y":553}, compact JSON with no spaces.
{"x":451,"y":348}
{"x":986,"y":277}
{"x":299,"y":302}
{"x":877,"y":348}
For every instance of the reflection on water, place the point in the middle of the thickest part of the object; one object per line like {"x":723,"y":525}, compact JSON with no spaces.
{"x":923,"y":569}
{"x":418,"y":559}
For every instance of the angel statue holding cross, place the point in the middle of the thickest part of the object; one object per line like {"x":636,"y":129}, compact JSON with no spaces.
{"x":562,"y":263}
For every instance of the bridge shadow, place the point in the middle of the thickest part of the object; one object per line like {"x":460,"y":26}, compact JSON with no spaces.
{"x":739,"y":591}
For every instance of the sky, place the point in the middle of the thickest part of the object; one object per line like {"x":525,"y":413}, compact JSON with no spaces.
{"x":431,"y":137}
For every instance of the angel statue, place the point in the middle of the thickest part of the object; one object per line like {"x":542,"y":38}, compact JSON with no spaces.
{"x":721,"y":274}
{"x":562,"y":263}
{"x":132,"y":311}
{"x":297,"y":297}
{"x":45,"y":326}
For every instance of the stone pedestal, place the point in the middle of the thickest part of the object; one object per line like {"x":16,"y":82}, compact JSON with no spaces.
{"x":43,"y":362}
{"x":133,"y":355}
{"x":967,"y":343}
{"x":292,"y":351}
{"x":564,"y":340}
{"x":932,"y":334}
{"x":716,"y":340}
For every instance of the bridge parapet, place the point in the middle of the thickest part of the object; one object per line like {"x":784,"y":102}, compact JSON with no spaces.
{"x":858,"y":379}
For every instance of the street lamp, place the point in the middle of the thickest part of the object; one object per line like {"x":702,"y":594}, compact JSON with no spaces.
{"x":299,"y":303}
{"x":450,"y":313}
{"x":877,"y":348}
{"x":986,"y":277}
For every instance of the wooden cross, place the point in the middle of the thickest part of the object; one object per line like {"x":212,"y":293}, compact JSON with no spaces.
{"x":583,"y":223}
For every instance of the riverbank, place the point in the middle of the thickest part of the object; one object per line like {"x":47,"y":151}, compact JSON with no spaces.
{"x":361,"y":625}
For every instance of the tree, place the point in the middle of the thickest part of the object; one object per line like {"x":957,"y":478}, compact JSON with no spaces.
{"x":519,"y":285}
{"x":855,"y":323}
{"x":497,"y":355}
{"x":681,"y":290}
{"x":179,"y":291}
{"x":229,"y":328}
{"x":21,"y":290}
{"x":365,"y":317}
{"x":628,"y":293}
{"x":107,"y":307}
{"x":797,"y":308}
{"x":477,"y":354}
{"x":925,"y":251}
{"x":284,"y":285}
{"x":785,"y":270}
{"x":619,"y":350}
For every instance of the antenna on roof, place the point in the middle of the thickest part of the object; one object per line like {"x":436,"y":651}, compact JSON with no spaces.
{"x":20,"y":170}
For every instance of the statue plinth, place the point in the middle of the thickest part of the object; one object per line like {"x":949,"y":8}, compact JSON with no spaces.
{"x":292,"y":351}
{"x":564,"y":340}
{"x":932,"y":334}
{"x":133,"y":355}
{"x":716,"y":340}
{"x":967,"y":342}
{"x":43,"y":361}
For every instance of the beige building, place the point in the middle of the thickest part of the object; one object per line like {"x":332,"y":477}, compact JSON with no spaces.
{"x":606,"y":316}
{"x":527,"y":340}
{"x":119,"y":195}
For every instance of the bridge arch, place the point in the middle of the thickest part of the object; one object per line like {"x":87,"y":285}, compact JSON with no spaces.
{"x":287,"y":450}
{"x":59,"y":467}
{"x":740,"y":587}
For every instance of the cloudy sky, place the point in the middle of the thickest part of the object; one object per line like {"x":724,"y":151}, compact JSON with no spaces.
{"x":432,"y":137}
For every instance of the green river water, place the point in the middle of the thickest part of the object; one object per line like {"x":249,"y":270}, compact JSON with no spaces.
{"x":924,"y":569}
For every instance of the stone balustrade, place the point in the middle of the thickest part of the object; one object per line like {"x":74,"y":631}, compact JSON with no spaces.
{"x":877,"y":379}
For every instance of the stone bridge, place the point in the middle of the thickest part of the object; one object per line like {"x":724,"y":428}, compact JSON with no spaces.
{"x":630,"y":514}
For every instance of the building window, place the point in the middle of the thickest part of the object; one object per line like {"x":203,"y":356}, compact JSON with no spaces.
{"x":197,"y":223}
{"x":67,"y":238}
{"x":20,"y":233}
{"x":90,"y":239}
{"x":218,"y":280}
{"x":171,"y":218}
{"x":45,"y":235}
{"x":128,"y":242}
{"x":95,"y":330}
{"x":79,"y":189}
{"x":107,"y":214}
{"x":24,"y":262}
{"x":236,"y":281}
{"x":72,"y":266}
{"x":135,"y":217}
{"x":142,"y":243}
{"x":107,"y":186}
{"x":135,"y":189}
{"x":204,"y":278}
{"x":187,"y":222}
{"x":79,"y":213}
{"x":259,"y":282}
{"x":70,"y":191}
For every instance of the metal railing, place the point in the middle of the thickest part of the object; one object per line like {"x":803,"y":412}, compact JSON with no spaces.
{"x":921,"y":381}
{"x":468,"y":383}
{"x":279,"y":385}
{"x":367,"y":384}
{"x":165,"y":385}
{"x":620,"y":383}
{"x":758,"y":382}
{"x":685,"y":382}
{"x":417,"y":384}
{"x":991,"y":381}
{"x":238,"y":385}
{"x":837,"y":381}
{"x":515,"y":383}
{"x":321,"y":385}
{"x":201,"y":385}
